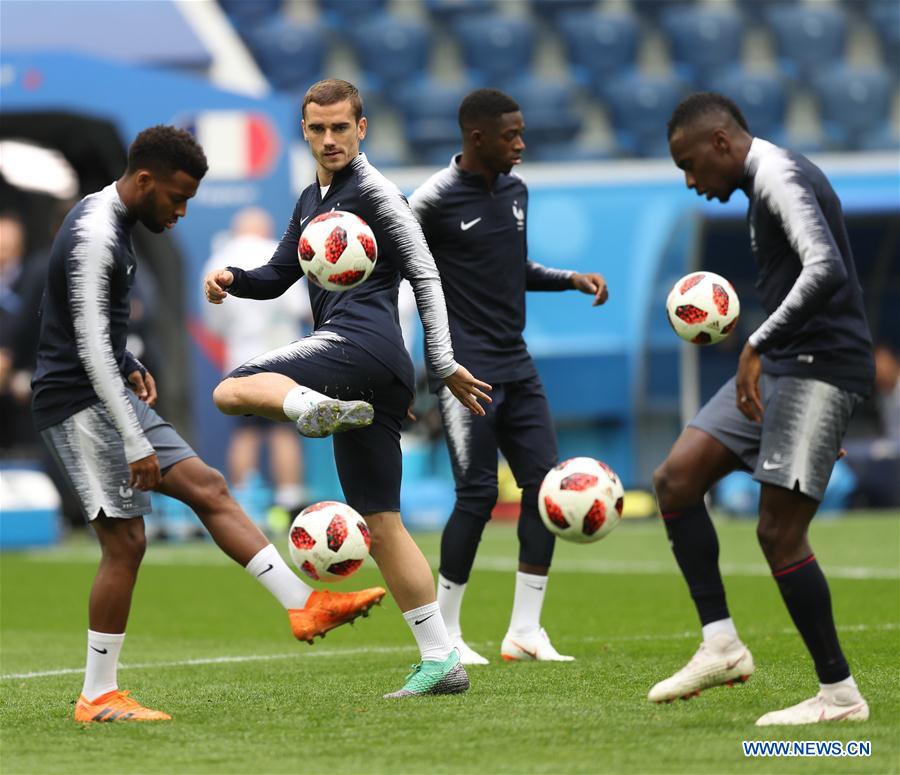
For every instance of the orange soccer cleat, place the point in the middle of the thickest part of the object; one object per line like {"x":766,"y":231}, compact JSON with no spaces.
{"x":326,"y":610}
{"x":115,"y":706}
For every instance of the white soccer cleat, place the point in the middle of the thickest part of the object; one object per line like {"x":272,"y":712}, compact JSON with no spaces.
{"x":844,"y":704}
{"x":534,"y":646}
{"x":467,"y":655}
{"x":723,"y":659}
{"x":333,"y":416}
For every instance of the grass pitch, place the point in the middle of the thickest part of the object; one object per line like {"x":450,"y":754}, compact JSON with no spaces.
{"x":207,"y":644}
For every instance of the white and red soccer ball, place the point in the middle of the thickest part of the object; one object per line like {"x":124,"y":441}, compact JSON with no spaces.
{"x":581,"y":500}
{"x":329,"y":541}
{"x":703,"y":308}
{"x":337,"y":250}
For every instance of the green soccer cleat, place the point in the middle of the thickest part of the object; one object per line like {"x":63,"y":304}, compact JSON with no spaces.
{"x":333,"y":416}
{"x":447,"y":677}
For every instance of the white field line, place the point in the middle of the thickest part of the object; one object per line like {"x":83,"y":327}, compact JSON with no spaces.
{"x":188,"y":557}
{"x":353,"y":652}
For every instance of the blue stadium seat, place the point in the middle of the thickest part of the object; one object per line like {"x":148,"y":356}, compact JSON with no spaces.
{"x":341,"y":15}
{"x":390,"y":50}
{"x":246,"y":14}
{"x":884,"y":16}
{"x":496,"y":48}
{"x":600,"y":45}
{"x":703,"y":41}
{"x":757,"y":9}
{"x":548,"y":108}
{"x":430,"y":111}
{"x":652,"y":9}
{"x":854,"y":106}
{"x":552,"y":8}
{"x":291,"y":55}
{"x":640,"y":107}
{"x":762,"y":98}
{"x":451,"y":10}
{"x":808,"y":37}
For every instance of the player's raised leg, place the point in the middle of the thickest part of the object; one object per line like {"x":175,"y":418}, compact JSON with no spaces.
{"x":695,"y":463}
{"x":312,"y":613}
{"x":279,"y":397}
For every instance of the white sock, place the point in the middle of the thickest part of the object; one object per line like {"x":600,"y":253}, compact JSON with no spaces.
{"x":428,"y":629}
{"x":722,"y":625}
{"x":299,"y":400}
{"x":848,"y":683}
{"x":273,"y":573}
{"x":102,"y":663}
{"x":289,"y":496}
{"x":527,"y":604}
{"x":449,"y":599}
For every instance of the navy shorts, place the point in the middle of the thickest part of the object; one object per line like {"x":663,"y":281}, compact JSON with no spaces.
{"x":369,"y":461}
{"x":88,"y":448}
{"x":799,"y":439}
{"x":518,"y":423}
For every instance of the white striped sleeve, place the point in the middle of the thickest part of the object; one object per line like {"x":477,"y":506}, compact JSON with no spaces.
{"x":91,"y":263}
{"x":790,"y":198}
{"x":394,"y":215}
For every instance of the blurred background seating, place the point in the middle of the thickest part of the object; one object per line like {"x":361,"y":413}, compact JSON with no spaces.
{"x":606,"y":70}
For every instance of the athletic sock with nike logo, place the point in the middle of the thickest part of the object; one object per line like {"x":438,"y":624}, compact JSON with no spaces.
{"x":428,"y":629}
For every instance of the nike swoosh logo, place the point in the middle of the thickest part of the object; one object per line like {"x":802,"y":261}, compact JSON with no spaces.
{"x":465,"y":226}
{"x":100,"y":651}
{"x":732,"y":665}
{"x":419,"y":621}
{"x":445,"y":586}
{"x":304,"y":220}
{"x":532,"y":654}
{"x":767,"y":466}
{"x":838,"y":716}
{"x":266,"y":570}
{"x":534,"y":587}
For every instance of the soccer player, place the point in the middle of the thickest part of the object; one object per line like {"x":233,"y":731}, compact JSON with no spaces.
{"x":473,"y":214}
{"x":353,"y":376}
{"x":782,"y":416}
{"x":112,"y":445}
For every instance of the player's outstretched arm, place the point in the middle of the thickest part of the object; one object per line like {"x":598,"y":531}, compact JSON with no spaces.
{"x":216,"y":284}
{"x":468,"y":390}
{"x":591,"y":282}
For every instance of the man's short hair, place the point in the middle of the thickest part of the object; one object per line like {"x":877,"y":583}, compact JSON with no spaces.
{"x":167,"y":149}
{"x":702,"y":104}
{"x":485,"y":105}
{"x":330,"y":92}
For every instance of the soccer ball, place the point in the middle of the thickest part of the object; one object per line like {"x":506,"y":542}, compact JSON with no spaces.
{"x":703,"y":308}
{"x":329,"y":541}
{"x":337,"y":250}
{"x":581,"y":500}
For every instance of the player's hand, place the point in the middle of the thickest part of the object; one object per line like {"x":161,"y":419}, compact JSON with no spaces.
{"x":144,"y":386}
{"x":468,"y":390}
{"x":215,"y":285}
{"x":591,"y":283}
{"x":145,"y":473}
{"x":747,"y":384}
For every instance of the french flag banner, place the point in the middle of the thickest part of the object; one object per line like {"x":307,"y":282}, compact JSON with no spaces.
{"x":238,"y":144}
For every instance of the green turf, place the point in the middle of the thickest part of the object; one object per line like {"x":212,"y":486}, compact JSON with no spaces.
{"x":618,"y":606}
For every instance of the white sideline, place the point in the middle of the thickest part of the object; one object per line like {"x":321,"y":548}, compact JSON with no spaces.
{"x":501,"y":563}
{"x":401,"y":649}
